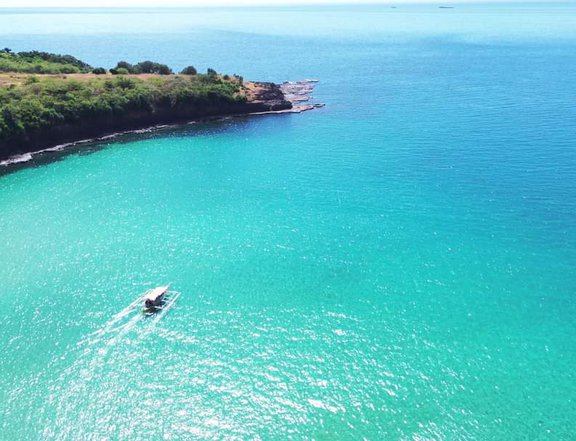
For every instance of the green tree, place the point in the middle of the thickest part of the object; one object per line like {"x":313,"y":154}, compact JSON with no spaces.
{"x":146,"y":67}
{"x":189,"y":70}
{"x":125,"y":65}
{"x":164,"y":70}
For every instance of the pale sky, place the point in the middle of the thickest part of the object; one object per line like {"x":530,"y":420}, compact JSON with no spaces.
{"x":191,"y":3}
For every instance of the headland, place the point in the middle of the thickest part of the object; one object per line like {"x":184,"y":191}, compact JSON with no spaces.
{"x":48,"y":101}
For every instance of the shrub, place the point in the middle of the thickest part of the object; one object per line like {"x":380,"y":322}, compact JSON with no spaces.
{"x":119,"y":71}
{"x":99,"y":71}
{"x":40,"y":62}
{"x":31,"y":80}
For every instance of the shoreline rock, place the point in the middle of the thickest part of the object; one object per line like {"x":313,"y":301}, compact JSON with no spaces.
{"x":298,"y":92}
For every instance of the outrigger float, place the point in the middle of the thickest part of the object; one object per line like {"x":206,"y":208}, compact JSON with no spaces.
{"x":158,"y":299}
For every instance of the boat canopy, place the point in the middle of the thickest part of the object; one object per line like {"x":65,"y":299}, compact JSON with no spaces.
{"x":153,"y":294}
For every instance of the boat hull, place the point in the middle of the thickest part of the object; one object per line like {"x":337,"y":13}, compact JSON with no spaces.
{"x":155,"y":298}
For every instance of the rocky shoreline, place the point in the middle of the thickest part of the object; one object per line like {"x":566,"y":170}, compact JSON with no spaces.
{"x":299,"y":92}
{"x":263,"y":99}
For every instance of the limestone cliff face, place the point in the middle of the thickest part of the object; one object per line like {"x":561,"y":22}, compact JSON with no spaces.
{"x":265,"y":97}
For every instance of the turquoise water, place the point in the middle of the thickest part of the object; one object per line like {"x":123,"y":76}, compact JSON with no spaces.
{"x":397,"y":265}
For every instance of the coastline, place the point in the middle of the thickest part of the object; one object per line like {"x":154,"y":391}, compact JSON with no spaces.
{"x":265,"y":99}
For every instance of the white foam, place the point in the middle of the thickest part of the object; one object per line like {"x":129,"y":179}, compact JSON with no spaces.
{"x":16,"y":159}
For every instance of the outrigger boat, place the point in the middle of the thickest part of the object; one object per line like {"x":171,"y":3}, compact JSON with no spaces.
{"x":155,"y":299}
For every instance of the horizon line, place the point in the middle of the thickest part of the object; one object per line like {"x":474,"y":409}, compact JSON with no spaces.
{"x":269,"y":3}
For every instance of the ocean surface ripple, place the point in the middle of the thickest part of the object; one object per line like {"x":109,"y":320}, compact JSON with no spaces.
{"x":397,"y":265}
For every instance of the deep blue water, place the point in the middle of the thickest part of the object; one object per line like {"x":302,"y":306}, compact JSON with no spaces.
{"x":396,"y":265}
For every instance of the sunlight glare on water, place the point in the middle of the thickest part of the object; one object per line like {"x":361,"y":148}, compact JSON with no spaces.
{"x":397,"y":265}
